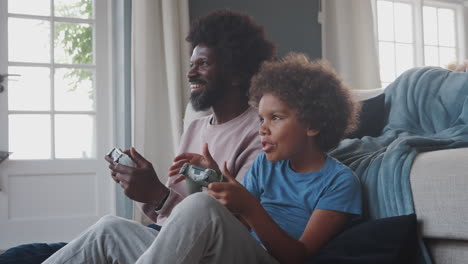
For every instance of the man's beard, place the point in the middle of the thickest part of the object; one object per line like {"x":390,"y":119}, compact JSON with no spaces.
{"x":205,"y":99}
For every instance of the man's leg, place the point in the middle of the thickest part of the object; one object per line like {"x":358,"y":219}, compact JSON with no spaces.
{"x":33,"y":253}
{"x":36,"y":253}
{"x":201,"y":230}
{"x":110,"y":240}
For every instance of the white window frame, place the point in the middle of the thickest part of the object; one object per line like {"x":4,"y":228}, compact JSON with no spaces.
{"x":98,"y":69}
{"x":103,"y":53}
{"x":458,"y":6}
{"x":461,"y":10}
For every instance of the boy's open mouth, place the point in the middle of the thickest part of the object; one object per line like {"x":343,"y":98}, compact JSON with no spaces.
{"x":267,"y":146}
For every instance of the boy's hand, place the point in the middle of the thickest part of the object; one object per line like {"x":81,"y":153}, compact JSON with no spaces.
{"x":205,"y":160}
{"x":232,"y":194}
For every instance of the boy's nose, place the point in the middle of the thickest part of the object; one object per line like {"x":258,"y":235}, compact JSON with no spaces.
{"x":263,"y":130}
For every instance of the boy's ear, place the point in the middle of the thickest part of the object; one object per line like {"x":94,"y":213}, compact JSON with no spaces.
{"x":312,"y":132}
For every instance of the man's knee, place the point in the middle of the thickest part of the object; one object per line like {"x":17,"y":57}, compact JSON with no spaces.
{"x":109,"y":222}
{"x":198,"y":202}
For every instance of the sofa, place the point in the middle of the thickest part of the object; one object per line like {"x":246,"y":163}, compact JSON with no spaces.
{"x":438,"y":180}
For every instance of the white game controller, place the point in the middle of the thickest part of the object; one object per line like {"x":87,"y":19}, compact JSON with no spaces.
{"x":120,"y":157}
{"x":197,"y":177}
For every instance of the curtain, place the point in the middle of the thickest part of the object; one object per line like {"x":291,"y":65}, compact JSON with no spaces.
{"x":348,"y":41}
{"x":160,"y":58}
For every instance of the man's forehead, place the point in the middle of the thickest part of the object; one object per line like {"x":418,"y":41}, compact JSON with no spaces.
{"x":204,"y":51}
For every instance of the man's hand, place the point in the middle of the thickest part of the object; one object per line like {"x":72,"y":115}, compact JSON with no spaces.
{"x":205,"y":160}
{"x":233,"y":195}
{"x":140,"y":183}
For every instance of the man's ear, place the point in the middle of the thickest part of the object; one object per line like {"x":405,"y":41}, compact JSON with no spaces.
{"x":235,"y":82}
{"x":312,"y":132}
{"x":236,"y":79}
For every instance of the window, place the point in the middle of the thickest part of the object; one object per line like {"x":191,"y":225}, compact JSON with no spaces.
{"x":51,"y":105}
{"x":418,"y":33}
{"x":56,"y":117}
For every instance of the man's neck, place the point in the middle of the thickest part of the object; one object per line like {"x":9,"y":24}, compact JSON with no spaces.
{"x":224,"y":112}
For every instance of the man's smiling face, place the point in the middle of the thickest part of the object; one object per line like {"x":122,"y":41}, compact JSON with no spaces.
{"x":205,"y":78}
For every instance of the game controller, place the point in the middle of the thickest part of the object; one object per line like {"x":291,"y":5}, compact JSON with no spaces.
{"x":197,"y":177}
{"x":120,"y":157}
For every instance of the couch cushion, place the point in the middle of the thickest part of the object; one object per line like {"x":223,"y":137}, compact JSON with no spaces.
{"x":371,"y":117}
{"x":386,"y":240}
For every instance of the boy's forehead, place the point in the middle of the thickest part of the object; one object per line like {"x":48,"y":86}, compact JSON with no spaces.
{"x":272,"y":102}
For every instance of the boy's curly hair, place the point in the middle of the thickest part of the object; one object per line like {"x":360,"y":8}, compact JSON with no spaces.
{"x":238,"y":42}
{"x":312,"y":88}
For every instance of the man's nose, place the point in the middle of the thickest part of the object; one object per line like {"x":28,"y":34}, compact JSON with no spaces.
{"x":193,"y":72}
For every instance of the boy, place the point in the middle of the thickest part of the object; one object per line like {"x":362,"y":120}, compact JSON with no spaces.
{"x":294,"y":198}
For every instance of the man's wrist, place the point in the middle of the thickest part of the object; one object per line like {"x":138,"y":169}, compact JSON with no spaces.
{"x":163,"y":200}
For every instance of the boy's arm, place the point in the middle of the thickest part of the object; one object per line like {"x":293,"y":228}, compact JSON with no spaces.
{"x":322,"y":226}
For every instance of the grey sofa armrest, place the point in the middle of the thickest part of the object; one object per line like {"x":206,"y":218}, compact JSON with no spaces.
{"x":439,"y":182}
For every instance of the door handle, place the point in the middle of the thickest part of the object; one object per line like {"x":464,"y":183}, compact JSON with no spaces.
{"x":3,"y":156}
{"x":2,"y":78}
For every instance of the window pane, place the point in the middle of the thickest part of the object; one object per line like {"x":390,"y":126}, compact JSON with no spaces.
{"x":20,"y":34}
{"x":28,"y":7}
{"x":404,"y":57}
{"x":73,"y":8}
{"x":74,"y":89}
{"x":29,"y":136}
{"x":73,"y":43}
{"x":74,"y":136}
{"x":430,"y":25}
{"x":30,"y":91}
{"x":447,"y":55}
{"x":431,"y":56}
{"x":385,"y":20}
{"x":446,"y":27}
{"x":387,"y":61}
{"x":403,"y":23}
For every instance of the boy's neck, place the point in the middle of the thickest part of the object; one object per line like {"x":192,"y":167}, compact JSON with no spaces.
{"x":310,"y":162}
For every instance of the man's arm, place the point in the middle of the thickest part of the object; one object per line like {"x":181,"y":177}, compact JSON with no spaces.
{"x":160,"y":216}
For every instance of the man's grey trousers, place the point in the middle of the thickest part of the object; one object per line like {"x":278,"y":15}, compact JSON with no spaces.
{"x":199,"y":230}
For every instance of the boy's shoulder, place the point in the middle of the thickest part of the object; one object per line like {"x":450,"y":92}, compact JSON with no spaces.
{"x":340,"y":172}
{"x":337,"y":165}
{"x":261,"y":159}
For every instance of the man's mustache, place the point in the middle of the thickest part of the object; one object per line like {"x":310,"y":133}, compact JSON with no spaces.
{"x":197,"y":80}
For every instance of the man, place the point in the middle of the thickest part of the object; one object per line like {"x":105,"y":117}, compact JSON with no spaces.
{"x":228,"y":49}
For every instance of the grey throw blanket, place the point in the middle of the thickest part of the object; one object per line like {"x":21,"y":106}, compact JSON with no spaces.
{"x":426,"y":109}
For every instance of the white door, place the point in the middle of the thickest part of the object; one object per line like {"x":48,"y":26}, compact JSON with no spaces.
{"x":54,"y":118}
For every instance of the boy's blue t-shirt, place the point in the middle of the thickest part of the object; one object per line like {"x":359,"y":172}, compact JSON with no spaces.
{"x":290,"y":197}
